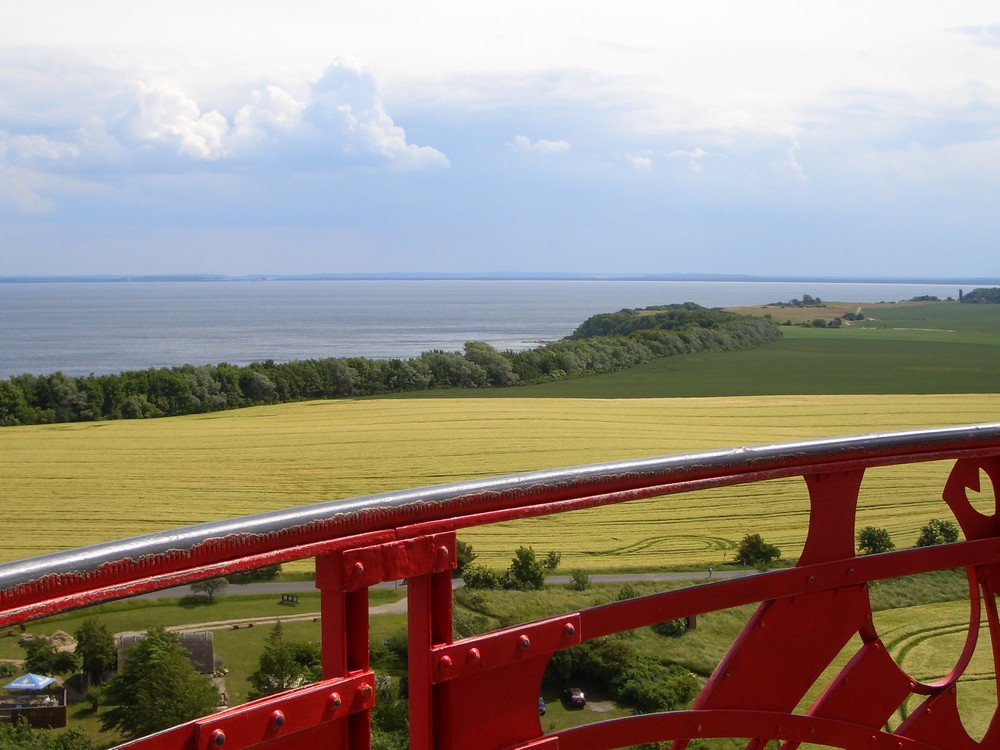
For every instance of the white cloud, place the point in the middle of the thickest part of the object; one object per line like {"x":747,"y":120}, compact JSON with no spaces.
{"x":524,"y":144}
{"x":270,"y":113}
{"x":128,"y":129}
{"x":32,"y":148}
{"x":346,"y":112}
{"x":164,"y":115}
{"x":693,"y":157}
{"x":640,"y":161}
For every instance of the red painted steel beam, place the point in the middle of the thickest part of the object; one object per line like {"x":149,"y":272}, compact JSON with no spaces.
{"x":688,"y":725}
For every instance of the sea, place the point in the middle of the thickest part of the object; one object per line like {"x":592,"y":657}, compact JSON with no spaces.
{"x":106,"y":327}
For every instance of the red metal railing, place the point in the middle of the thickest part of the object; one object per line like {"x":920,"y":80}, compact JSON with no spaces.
{"x":481,"y":692}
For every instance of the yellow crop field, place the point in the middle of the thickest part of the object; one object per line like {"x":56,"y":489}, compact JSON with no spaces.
{"x":70,"y":485}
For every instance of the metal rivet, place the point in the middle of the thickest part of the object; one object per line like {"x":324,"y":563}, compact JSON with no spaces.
{"x":366,"y":691}
{"x":812,"y":579}
{"x":218,"y":738}
{"x":474,"y":654}
{"x":278,"y":719}
{"x":523,"y":642}
{"x":569,"y":630}
{"x":443,"y":551}
{"x":359,"y":568}
{"x":444,"y":663}
{"x":334,"y":700}
{"x":850,"y":572}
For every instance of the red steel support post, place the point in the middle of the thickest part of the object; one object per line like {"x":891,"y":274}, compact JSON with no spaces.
{"x":345,"y":641}
{"x":429,"y":624}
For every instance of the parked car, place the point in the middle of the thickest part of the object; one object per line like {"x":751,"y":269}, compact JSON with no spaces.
{"x":574,"y":697}
{"x":541,"y":706}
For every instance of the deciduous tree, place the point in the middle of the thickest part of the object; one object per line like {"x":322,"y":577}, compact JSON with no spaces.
{"x":158,"y":688}
{"x":872,"y":541}
{"x":753,"y":550}
{"x":526,"y":572}
{"x":96,"y":648}
{"x":284,"y":664}
{"x":937,"y":531}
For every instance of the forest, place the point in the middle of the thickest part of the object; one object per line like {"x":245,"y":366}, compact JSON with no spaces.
{"x":604,"y":343}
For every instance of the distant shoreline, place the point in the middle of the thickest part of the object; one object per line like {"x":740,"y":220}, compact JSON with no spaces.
{"x":140,"y":278}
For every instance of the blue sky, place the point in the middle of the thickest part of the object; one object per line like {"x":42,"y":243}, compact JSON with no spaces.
{"x":765,"y":138}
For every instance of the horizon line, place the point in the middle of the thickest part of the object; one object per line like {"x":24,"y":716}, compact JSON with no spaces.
{"x":489,"y":276}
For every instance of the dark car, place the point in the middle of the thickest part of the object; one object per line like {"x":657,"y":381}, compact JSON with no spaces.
{"x":574,"y":698}
{"x":541,"y":706}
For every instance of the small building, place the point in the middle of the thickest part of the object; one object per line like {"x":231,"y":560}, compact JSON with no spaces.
{"x":39,"y":700}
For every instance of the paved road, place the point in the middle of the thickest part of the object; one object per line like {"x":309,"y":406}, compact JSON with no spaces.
{"x":294,"y":587}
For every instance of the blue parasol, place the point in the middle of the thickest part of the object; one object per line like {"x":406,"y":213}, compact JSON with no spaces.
{"x":29,"y":682}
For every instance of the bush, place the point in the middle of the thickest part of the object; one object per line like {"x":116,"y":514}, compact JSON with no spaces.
{"x":754,"y":551}
{"x":266,"y":573}
{"x":937,"y":532}
{"x":648,"y":686}
{"x":481,"y":577}
{"x":628,"y":591}
{"x":526,"y":572}
{"x":580,"y":581}
{"x":670,"y":628}
{"x":872,"y":541}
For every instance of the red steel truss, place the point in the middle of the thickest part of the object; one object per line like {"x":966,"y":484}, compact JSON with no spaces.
{"x":481,"y":693}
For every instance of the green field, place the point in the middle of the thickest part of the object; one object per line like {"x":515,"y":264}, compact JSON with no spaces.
{"x":913,"y":348}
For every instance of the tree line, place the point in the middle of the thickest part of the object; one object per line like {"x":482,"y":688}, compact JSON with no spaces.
{"x":981,"y":295}
{"x":603,"y":343}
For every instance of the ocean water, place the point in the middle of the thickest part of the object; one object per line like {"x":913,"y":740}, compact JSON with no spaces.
{"x":80,"y":328}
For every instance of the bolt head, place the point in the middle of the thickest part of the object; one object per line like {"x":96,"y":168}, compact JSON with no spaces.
{"x":523,"y":642}
{"x":444,"y":663}
{"x":218,"y":738}
{"x":334,"y":700}
{"x":569,"y":630}
{"x":278,"y":719}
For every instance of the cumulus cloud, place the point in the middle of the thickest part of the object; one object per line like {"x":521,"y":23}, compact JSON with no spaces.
{"x":132,"y":128}
{"x":524,"y":144}
{"x":270,"y":114}
{"x":165,"y":115}
{"x":346,"y":111}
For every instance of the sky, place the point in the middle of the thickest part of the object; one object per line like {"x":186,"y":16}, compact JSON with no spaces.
{"x":770,"y":138}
